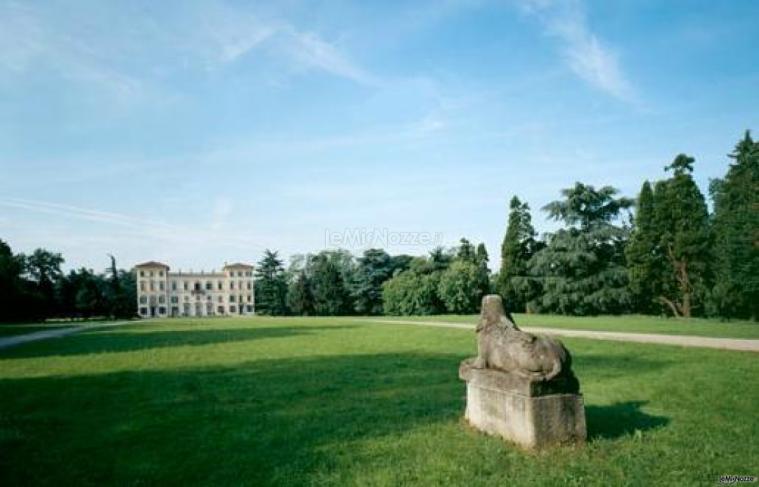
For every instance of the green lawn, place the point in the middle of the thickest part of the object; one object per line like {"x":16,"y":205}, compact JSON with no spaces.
{"x":626,"y":323}
{"x":338,"y":401}
{"x":12,"y":330}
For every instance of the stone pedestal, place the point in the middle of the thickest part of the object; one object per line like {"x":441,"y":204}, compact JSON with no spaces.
{"x":529,"y":413}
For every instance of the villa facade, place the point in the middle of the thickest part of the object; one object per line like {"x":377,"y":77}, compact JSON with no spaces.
{"x":161,"y":293}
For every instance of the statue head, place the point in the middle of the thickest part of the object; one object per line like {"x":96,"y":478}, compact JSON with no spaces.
{"x":492,"y":312}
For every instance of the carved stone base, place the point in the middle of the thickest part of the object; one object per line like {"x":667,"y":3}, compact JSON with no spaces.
{"x":531,"y":414}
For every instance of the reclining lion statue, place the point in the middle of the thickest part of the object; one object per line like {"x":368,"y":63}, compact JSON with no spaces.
{"x":501,"y":345}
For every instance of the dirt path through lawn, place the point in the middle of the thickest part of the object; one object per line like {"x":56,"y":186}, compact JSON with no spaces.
{"x":745,"y":345}
{"x":15,"y":340}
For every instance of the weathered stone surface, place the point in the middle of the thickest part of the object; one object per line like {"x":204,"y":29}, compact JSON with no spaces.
{"x":521,"y":386}
{"x":496,"y":379}
{"x":530,"y":421}
{"x":502,"y":345}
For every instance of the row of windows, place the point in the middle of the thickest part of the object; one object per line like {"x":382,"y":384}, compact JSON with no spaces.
{"x":161,"y":310}
{"x":197,"y":286}
{"x":175,"y":299}
{"x":231,"y":274}
{"x":150,"y":273}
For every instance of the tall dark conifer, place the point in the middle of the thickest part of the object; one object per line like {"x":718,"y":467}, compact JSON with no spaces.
{"x":518,"y":247}
{"x":644,"y":260}
{"x":271,"y":285}
{"x":736,"y":234}
{"x":682,"y":222}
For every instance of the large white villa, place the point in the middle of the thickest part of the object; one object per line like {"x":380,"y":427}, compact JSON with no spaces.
{"x":164,"y":293}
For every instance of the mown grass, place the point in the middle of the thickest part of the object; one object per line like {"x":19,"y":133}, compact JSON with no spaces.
{"x":265,"y":401}
{"x":625,"y":323}
{"x":7,"y":330}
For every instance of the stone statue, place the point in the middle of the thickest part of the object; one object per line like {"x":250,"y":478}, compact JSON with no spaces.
{"x":521,"y":386}
{"x":503,"y":346}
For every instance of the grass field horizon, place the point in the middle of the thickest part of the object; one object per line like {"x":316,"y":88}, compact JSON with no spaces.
{"x":704,"y":327}
{"x":336,"y":401}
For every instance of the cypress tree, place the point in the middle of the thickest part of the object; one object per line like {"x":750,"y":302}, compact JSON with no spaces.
{"x":644,"y":261}
{"x":736,"y":234}
{"x":271,"y":285}
{"x":518,"y":247}
{"x":682,"y":222}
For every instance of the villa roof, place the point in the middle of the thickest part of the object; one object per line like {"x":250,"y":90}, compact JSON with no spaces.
{"x":238,"y":265}
{"x":152,"y":263}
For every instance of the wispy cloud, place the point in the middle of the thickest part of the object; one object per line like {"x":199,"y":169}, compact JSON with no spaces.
{"x":145,"y":227}
{"x":584,"y":52}
{"x":93,"y":46}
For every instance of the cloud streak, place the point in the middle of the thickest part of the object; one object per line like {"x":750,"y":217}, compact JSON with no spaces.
{"x":144,"y":227}
{"x":93,"y":47}
{"x":583,"y":51}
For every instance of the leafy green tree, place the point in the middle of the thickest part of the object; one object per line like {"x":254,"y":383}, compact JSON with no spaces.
{"x":644,"y":258}
{"x":682,"y":221}
{"x":271,"y":285}
{"x":43,"y":269}
{"x":12,"y":299}
{"x":120,"y":292}
{"x":582,"y":269}
{"x":736,"y":234}
{"x":460,"y":287}
{"x":518,"y":247}
{"x":440,"y":258}
{"x":374,"y":268}
{"x":414,"y":291}
{"x":466,"y":251}
{"x":300,"y":300}
{"x":330,"y":273}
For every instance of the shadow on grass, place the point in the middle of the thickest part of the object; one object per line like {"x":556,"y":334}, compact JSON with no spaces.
{"x":108,"y":340}
{"x":262,"y":422}
{"x":620,"y":419}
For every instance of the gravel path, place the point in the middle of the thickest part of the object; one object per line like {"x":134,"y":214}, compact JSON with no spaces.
{"x":16,"y":340}
{"x":745,"y":345}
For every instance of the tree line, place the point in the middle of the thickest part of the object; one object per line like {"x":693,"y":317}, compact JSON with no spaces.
{"x":662,"y":253}
{"x":33,"y":288}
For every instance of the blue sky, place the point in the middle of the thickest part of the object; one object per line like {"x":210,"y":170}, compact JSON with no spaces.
{"x":199,"y":132}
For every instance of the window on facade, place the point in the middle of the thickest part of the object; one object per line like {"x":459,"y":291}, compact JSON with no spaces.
{"x":161,"y":310}
{"x":221,"y":299}
{"x":249,"y":308}
{"x":161,"y":299}
{"x":143,"y":311}
{"x":160,"y":273}
{"x":219,"y":285}
{"x":220,"y":309}
{"x":231,"y":284}
{"x":232,"y":299}
{"x":142,"y":273}
{"x":197,"y":286}
{"x":249,"y":299}
{"x":152,"y":286}
{"x":185,"y":286}
{"x":209,"y":286}
{"x":173,"y":285}
{"x":174,"y":299}
{"x":232,"y":309}
{"x":209,"y":297}
{"x":143,"y":299}
{"x":160,"y":285}
{"x":248,"y":285}
{"x":142,"y":285}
